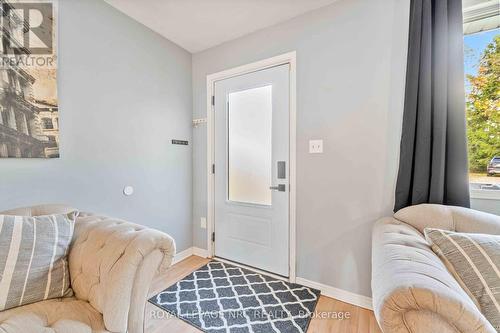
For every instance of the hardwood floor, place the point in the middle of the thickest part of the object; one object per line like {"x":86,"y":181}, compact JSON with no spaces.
{"x":158,"y":321}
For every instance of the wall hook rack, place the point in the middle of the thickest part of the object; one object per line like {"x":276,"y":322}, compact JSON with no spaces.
{"x":198,"y":122}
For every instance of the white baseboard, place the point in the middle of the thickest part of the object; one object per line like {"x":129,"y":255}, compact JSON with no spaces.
{"x":200,"y":252}
{"x":180,"y":256}
{"x":340,"y":294}
{"x":192,"y":251}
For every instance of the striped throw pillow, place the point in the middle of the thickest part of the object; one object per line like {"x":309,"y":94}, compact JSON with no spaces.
{"x":474,"y":260}
{"x":33,"y":265}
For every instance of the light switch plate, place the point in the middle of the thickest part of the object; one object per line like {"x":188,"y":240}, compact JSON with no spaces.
{"x":315,"y":146}
{"x":203,"y":223}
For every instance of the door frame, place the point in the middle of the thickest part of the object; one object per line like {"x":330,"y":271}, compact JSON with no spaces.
{"x":287,"y":58}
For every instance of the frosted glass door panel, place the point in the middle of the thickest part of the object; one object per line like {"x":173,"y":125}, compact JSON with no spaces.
{"x":250,"y":145}
{"x":251,"y":137}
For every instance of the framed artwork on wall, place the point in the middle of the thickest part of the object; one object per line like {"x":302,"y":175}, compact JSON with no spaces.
{"x":29,"y":112}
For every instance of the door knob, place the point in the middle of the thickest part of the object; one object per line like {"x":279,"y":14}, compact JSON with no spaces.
{"x":279,"y":188}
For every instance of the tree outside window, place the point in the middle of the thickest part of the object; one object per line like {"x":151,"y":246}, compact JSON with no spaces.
{"x":482,"y":67}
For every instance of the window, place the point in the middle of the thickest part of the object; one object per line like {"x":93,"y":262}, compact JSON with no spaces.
{"x":18,"y":85}
{"x":5,"y":74}
{"x":3,"y":116}
{"x":482,"y":87}
{"x":249,"y":145}
{"x":47,"y":123}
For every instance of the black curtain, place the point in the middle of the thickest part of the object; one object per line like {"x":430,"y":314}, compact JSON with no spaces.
{"x":433,"y":166}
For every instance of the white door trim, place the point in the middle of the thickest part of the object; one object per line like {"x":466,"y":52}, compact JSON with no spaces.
{"x":287,"y":58}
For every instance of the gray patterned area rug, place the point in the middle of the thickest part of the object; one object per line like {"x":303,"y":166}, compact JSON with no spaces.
{"x":222,"y":298}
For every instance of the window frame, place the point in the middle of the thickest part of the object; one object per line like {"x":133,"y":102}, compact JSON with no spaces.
{"x":480,"y":194}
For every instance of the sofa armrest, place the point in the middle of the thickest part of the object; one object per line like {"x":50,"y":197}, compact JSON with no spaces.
{"x":112,"y":263}
{"x":412,"y":289}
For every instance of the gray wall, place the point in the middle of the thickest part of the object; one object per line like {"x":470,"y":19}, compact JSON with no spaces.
{"x":351,"y":61}
{"x":124,"y":93}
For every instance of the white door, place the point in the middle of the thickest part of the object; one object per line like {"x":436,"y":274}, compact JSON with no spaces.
{"x":252,"y":169}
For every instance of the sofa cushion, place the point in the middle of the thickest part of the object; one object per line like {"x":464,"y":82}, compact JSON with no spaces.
{"x":67,"y":315}
{"x":33,"y":264}
{"x":474,"y":260}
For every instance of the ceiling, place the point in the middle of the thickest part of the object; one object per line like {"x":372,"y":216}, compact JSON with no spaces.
{"x":197,"y":25}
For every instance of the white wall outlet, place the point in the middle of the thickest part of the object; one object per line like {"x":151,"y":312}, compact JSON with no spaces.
{"x":203,"y":222}
{"x":315,"y":146}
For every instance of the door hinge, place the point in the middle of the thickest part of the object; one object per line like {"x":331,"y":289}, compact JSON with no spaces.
{"x":213,"y":169}
{"x":213,"y":100}
{"x":213,"y":236}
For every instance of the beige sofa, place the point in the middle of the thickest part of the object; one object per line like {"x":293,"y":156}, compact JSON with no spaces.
{"x":111,"y":265}
{"x":412,"y":289}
